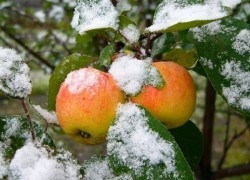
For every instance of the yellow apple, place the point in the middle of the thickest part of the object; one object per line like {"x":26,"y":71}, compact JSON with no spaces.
{"x":174,"y":103}
{"x":86,"y":105}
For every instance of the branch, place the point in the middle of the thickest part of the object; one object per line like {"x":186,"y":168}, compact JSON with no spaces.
{"x":21,"y":43}
{"x":233,"y":171}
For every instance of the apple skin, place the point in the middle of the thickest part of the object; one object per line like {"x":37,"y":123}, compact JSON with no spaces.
{"x":87,"y":115}
{"x":174,"y":103}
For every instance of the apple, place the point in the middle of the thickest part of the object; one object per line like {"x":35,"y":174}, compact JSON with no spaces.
{"x":86,"y":105}
{"x":174,"y":103}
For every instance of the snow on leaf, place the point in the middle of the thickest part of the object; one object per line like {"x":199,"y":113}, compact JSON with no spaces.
{"x":94,"y":14}
{"x":14,"y":74}
{"x":132,"y":74}
{"x":239,"y":84}
{"x":172,"y":12}
{"x":131,"y":33}
{"x":50,"y":117}
{"x":33,"y":161}
{"x":242,"y":42}
{"x":3,"y":164}
{"x":132,"y":141}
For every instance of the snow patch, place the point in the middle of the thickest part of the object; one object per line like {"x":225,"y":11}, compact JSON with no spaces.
{"x":94,"y":15}
{"x":132,"y":74}
{"x":237,"y":93}
{"x":242,"y":42}
{"x":171,"y":12}
{"x":14,"y":74}
{"x":132,"y":141}
{"x":34,"y":162}
{"x":131,"y":33}
{"x":50,"y":117}
{"x":3,"y":164}
{"x":82,"y":80}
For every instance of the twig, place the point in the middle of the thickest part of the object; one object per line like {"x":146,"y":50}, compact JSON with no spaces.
{"x":148,"y":44}
{"x":29,"y":119}
{"x":21,"y":43}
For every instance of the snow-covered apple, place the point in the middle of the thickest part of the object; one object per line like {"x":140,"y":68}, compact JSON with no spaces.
{"x":174,"y":103}
{"x":86,"y":104}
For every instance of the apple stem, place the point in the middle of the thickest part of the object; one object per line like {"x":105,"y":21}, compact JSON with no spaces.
{"x":29,"y":119}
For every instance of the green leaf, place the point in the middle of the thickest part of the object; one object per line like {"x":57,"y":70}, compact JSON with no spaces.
{"x":190,"y":141}
{"x":184,"y":55}
{"x":15,"y":78}
{"x":172,"y":16}
{"x":224,"y":52}
{"x":138,"y":144}
{"x":70,"y":63}
{"x":15,"y":131}
{"x":105,"y":55}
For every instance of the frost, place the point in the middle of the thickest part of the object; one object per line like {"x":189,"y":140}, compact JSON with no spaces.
{"x":171,"y":13}
{"x":14,"y":74}
{"x":83,"y":79}
{"x":237,"y":93}
{"x":131,"y":33}
{"x":34,"y":162}
{"x":242,"y":42}
{"x":210,"y":29}
{"x":132,"y":74}
{"x":94,"y":15}
{"x":132,"y":141}
{"x":50,"y":117}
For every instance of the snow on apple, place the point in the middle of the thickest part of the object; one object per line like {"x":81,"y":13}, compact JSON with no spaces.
{"x":132,"y":141}
{"x":14,"y":74}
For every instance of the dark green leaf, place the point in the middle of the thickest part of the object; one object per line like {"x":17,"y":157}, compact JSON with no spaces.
{"x":70,"y":63}
{"x":15,"y":131}
{"x":136,"y":139}
{"x":224,"y":52}
{"x":105,"y":55}
{"x":190,"y":141}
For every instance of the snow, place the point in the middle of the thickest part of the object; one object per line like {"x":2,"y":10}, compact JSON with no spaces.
{"x":14,"y":74}
{"x":11,"y":128}
{"x":131,"y":33}
{"x":123,"y":5}
{"x":207,"y":62}
{"x":132,"y":74}
{"x":94,"y":15}
{"x":132,"y":141}
{"x":40,"y":16}
{"x":35,"y":162}
{"x":56,"y":13}
{"x":242,"y":42}
{"x":50,"y":117}
{"x":82,"y":80}
{"x":3,"y":164}
{"x":237,"y":93}
{"x":229,"y":3}
{"x":171,"y":13}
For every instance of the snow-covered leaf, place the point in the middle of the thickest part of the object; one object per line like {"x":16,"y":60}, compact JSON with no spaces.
{"x":132,"y":74}
{"x":223,"y":48}
{"x":14,"y":74}
{"x":138,"y":144}
{"x":94,"y":14}
{"x":177,"y":15}
{"x":70,"y":63}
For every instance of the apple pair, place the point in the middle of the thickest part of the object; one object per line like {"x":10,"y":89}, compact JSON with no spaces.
{"x":87,"y":101}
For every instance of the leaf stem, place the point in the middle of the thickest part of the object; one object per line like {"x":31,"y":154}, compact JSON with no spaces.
{"x":29,"y":119}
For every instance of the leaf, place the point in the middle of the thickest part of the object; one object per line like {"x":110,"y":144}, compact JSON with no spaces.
{"x":15,"y":132}
{"x":15,"y":74}
{"x":184,"y":55}
{"x":172,"y":16}
{"x":162,"y":44}
{"x":105,"y":55}
{"x":224,"y":52}
{"x":70,"y":63}
{"x":138,"y":144}
{"x":98,"y":14}
{"x":190,"y":141}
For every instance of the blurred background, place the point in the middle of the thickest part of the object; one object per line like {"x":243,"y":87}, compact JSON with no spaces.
{"x":40,"y":31}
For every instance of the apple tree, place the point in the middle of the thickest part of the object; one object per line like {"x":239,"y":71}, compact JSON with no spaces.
{"x":123,"y":39}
